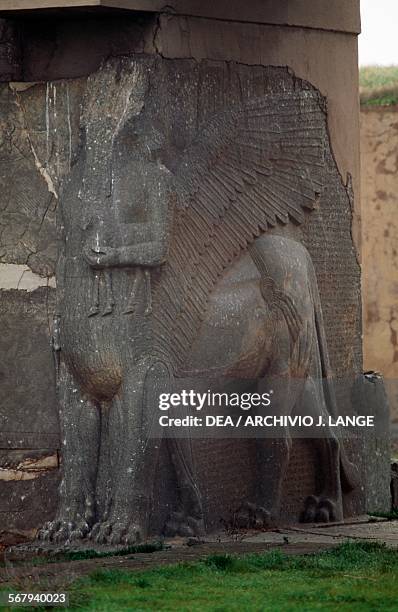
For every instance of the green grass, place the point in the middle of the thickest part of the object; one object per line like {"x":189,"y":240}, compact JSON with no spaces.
{"x":372,"y":77}
{"x":391,"y":516}
{"x":378,"y":85}
{"x":353,"y":577}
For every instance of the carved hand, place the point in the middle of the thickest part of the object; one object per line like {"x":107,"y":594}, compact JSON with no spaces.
{"x":150,"y":254}
{"x":105,"y":257}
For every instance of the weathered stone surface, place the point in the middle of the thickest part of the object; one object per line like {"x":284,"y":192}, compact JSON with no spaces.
{"x":27,"y":478}
{"x":57,"y":107}
{"x":27,"y":393}
{"x":76,"y":47}
{"x":320,"y":52}
{"x":37,"y":137}
{"x":28,"y":414}
{"x":26,"y":465}
{"x":181,"y":97}
{"x":369,"y":398}
{"x":10,"y":51}
{"x":394,"y":485}
{"x":14,"y":276}
{"x":58,"y":48}
{"x":379,"y":194}
{"x":120,"y":115}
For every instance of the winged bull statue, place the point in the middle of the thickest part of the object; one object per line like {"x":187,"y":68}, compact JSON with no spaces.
{"x":163,"y":256}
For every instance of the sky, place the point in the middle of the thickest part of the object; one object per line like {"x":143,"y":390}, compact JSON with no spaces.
{"x":378,"y":43}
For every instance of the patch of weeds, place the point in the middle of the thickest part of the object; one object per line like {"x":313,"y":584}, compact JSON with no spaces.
{"x":350,"y":556}
{"x":220,"y":562}
{"x":142,"y":583}
{"x":371,"y":77}
{"x":378,"y":85}
{"x":110,"y":576}
{"x":380,"y":100}
{"x":227,"y":563}
{"x":273,"y":560}
{"x":391,"y":516}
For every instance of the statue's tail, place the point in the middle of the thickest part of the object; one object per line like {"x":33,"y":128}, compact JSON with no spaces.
{"x":349,"y":472}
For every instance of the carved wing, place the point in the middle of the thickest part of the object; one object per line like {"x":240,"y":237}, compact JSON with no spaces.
{"x":250,"y":169}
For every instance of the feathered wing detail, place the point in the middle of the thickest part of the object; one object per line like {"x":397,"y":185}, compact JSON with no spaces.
{"x":251,"y":168}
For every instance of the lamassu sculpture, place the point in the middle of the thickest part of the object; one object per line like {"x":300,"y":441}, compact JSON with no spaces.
{"x":168,"y":247}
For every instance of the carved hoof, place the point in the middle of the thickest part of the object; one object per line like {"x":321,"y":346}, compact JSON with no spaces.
{"x":251,"y":516}
{"x":319,"y":510}
{"x":185,"y":526}
{"x":94,"y":310}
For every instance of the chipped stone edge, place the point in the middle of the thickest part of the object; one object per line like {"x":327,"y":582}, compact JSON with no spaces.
{"x":29,"y":469}
{"x":16,"y":276}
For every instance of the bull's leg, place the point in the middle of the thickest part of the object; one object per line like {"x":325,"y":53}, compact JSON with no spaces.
{"x":188,"y":519}
{"x":327,"y":505}
{"x":285,"y":379}
{"x":79,"y":423}
{"x":273,"y":453}
{"x":134,"y":442}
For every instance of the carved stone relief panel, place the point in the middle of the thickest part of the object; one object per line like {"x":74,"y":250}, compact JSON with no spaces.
{"x":202,"y":227}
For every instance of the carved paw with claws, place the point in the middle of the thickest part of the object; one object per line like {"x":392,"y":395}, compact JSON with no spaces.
{"x":179,"y":524}
{"x":251,"y":516}
{"x":60,"y":531}
{"x":319,"y":510}
{"x":117,"y":532}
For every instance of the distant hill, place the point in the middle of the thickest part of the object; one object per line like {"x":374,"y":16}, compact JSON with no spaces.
{"x":378,"y":85}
